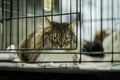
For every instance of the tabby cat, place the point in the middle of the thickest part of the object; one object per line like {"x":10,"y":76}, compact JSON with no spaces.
{"x":55,"y":36}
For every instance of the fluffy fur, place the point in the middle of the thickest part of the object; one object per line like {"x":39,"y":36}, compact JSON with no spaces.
{"x":94,"y":47}
{"x":101,"y":35}
{"x":56,"y":36}
{"x":112,"y":44}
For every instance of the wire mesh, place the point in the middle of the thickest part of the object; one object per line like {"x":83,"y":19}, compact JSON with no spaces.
{"x":20,"y":18}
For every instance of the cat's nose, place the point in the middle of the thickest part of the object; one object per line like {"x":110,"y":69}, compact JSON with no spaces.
{"x":60,"y":45}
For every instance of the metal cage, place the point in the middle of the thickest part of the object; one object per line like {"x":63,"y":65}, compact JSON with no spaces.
{"x":21,"y":17}
{"x":94,"y":44}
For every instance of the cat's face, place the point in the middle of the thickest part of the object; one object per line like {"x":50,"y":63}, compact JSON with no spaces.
{"x":60,"y":35}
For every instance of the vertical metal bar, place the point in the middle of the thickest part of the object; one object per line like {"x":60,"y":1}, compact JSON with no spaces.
{"x":80,"y":32}
{"x":52,"y":20}
{"x":2,"y":24}
{"x":43,"y":21}
{"x":58,"y":6}
{"x":34,"y":26}
{"x":26,"y":23}
{"x":70,"y":24}
{"x":18,"y":24}
{"x":95,"y":16}
{"x":112,"y":31}
{"x":11,"y":10}
{"x":6,"y":16}
{"x":61,"y":24}
{"x":101,"y":9}
{"x":77,"y":19}
{"x":91,"y":22}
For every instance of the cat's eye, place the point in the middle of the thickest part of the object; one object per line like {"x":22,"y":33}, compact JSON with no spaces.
{"x":54,"y":39}
{"x":67,"y":39}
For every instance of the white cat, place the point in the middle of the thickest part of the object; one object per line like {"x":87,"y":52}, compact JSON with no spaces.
{"x":111,"y":45}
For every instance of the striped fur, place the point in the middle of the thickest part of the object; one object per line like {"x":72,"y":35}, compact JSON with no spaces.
{"x":56,"y":36}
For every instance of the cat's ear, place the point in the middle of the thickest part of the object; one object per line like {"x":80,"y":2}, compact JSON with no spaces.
{"x":47,"y":22}
{"x":72,"y":24}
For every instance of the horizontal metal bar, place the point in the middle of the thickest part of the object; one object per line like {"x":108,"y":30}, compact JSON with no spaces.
{"x":60,"y":52}
{"x":63,"y":61}
{"x":41,"y":16}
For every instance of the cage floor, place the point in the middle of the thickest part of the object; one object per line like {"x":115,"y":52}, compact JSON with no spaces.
{"x":11,"y":60}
